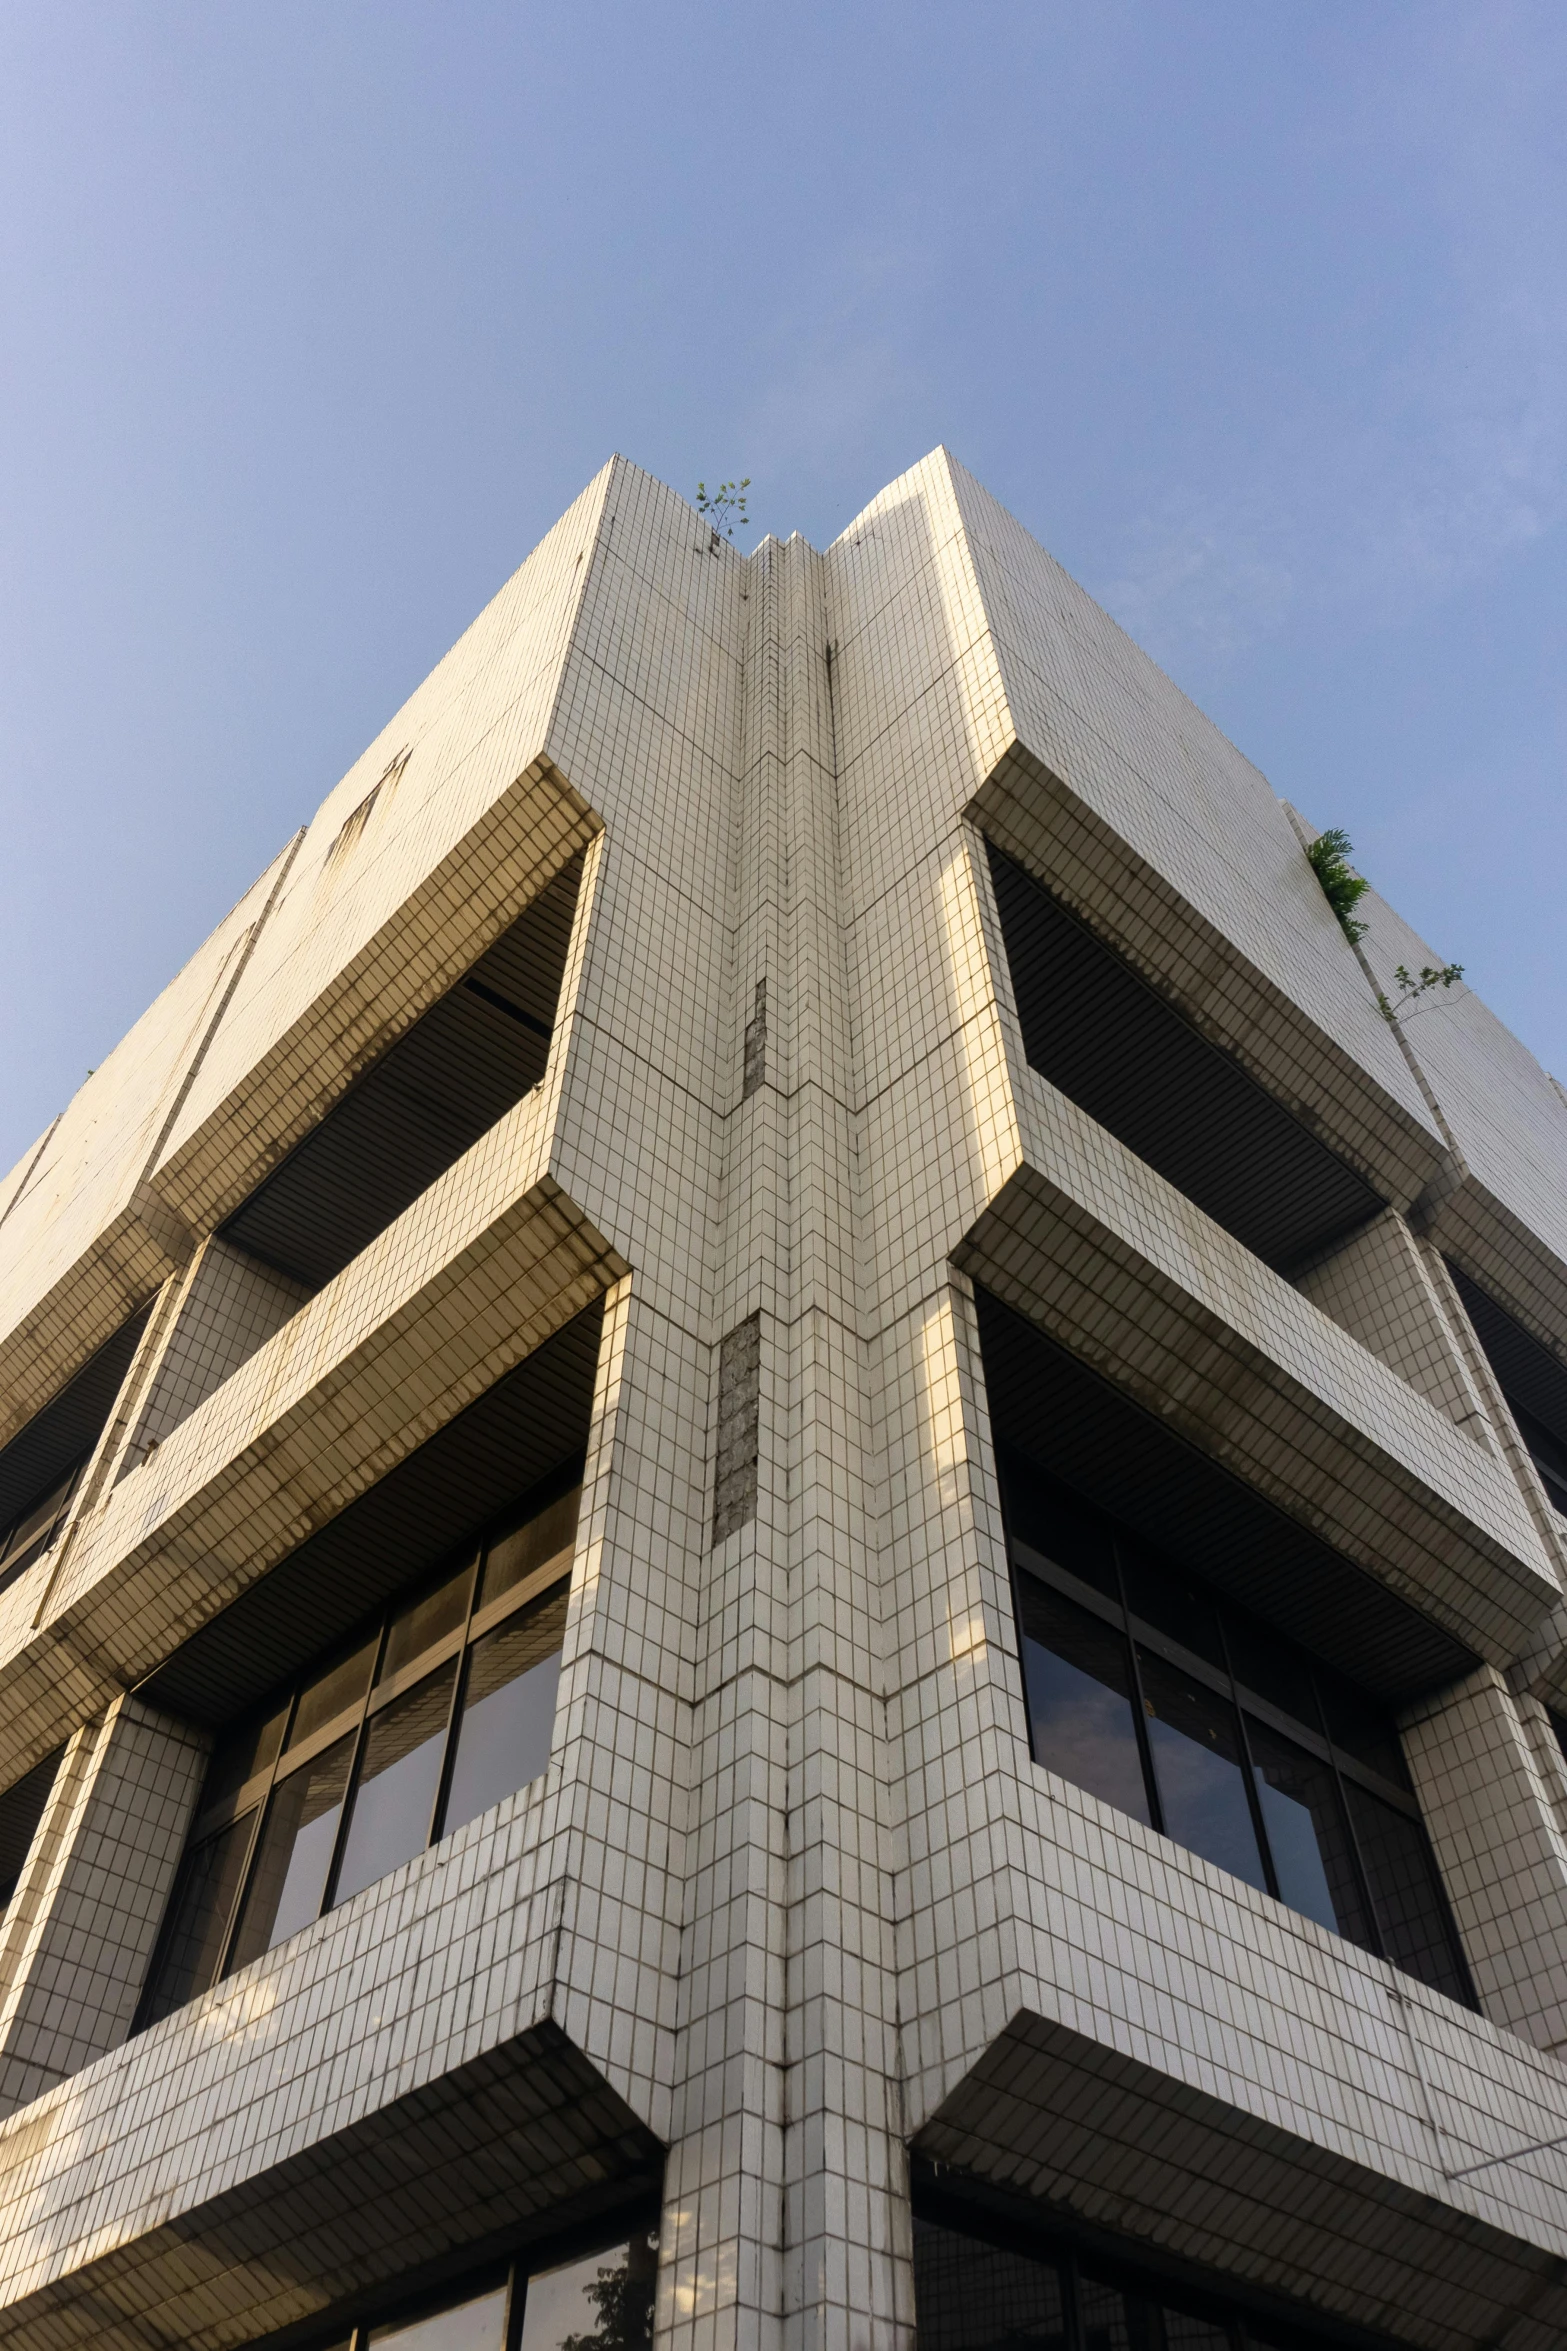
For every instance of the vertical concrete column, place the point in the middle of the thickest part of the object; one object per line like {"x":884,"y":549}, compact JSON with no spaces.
{"x":1378,"y":1286}
{"x":79,"y":1930}
{"x":845,"y":2227}
{"x":784,"y":2188}
{"x":1499,"y":1412}
{"x":1497,"y":1834}
{"x":721,"y":2249}
{"x":231,"y":1305}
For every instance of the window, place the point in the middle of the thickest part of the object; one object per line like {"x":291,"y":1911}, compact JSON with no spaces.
{"x":41,"y":1468}
{"x":1547,"y":1451}
{"x":429,"y":1717}
{"x":21,"y":1811}
{"x":1207,"y":1725}
{"x":1532,"y":1379}
{"x":601,"y":2301}
{"x":1118,"y":1047}
{"x":33,"y":1530}
{"x":974,"y":2295}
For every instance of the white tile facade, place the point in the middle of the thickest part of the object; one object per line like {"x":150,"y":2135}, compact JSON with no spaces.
{"x":791,"y":1897}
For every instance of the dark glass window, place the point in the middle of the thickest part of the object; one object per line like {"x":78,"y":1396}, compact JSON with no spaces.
{"x":1156,"y":1694}
{"x":338,"y":1690}
{"x":1303,"y":1819}
{"x":478,"y":2323}
{"x":1199,"y":1767}
{"x":508,"y":1709}
{"x":21,"y":1812}
{"x":440,"y":1710}
{"x":1026,"y":2293}
{"x":1411,"y":1921}
{"x":30,"y":1534}
{"x":970,"y":2296}
{"x":293,"y":1863}
{"x":197,"y":1925}
{"x":397,"y":1782}
{"x":1547,"y":1451}
{"x":599,"y":2301}
{"x":1081,"y":1707}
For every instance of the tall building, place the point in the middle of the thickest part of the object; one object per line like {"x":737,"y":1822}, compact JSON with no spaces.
{"x":783,"y":1482}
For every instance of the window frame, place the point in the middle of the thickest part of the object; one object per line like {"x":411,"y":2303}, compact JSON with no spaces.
{"x":1253,"y":2318}
{"x":514,"y":2272}
{"x":254,"y":1796}
{"x":23,"y":1545}
{"x":1026,"y":1559}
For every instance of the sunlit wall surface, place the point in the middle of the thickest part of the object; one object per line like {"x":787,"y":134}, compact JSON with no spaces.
{"x":779,"y":1540}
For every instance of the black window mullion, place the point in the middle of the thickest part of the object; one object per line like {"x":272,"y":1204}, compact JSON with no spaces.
{"x":1358,"y":1859}
{"x":1016,"y":1575}
{"x":1249,"y":1767}
{"x":443,"y":1785}
{"x":516,"y":2288}
{"x":1347,"y":1816}
{"x":351,"y":1785}
{"x":258,"y":1823}
{"x":1071,"y":2293}
{"x":1139,"y":1702}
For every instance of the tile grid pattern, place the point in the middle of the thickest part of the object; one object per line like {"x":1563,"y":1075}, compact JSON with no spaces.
{"x":791,"y":1884}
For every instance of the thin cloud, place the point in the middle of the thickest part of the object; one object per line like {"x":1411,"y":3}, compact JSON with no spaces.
{"x":1453,"y":458}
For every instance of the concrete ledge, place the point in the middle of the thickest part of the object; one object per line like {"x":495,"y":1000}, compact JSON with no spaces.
{"x":1107,"y":1258}
{"x":1051,"y":2117}
{"x":293,"y":2138}
{"x":482,"y":1269}
{"x":500,"y":865}
{"x":1033,"y":813}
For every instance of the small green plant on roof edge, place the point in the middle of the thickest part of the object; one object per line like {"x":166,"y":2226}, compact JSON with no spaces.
{"x":725,"y":508}
{"x":1432,"y":975}
{"x":1343,"y":890}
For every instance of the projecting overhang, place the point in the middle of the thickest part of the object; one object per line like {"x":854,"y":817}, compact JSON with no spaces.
{"x":1222,"y":1358}
{"x":1033,"y":813}
{"x":483,"y":1269}
{"x":1500,"y":1255}
{"x":521,"y":2141}
{"x":527,"y":834}
{"x":1052,"y":2128}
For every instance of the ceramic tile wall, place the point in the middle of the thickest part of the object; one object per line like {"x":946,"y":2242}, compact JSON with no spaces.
{"x":231,"y":1305}
{"x":77,"y":1935}
{"x":1378,"y":1286}
{"x":791,"y":1878}
{"x":1505,"y":1114}
{"x":1493,"y":1822}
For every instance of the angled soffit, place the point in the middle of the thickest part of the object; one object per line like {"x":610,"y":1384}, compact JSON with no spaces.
{"x":1034,"y":815}
{"x":366,"y":1371}
{"x":525,"y":2140}
{"x":1051,"y":2127}
{"x":1418,"y":1507}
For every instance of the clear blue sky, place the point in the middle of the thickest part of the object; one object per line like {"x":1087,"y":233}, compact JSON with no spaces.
{"x":315,"y":315}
